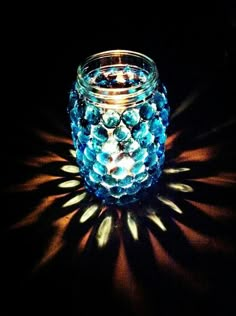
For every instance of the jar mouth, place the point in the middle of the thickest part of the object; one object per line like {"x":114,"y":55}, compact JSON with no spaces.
{"x":124,"y":63}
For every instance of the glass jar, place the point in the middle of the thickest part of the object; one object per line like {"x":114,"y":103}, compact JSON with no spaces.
{"x":119,"y":114}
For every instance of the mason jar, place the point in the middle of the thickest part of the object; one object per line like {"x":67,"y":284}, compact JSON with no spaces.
{"x":119,"y":114}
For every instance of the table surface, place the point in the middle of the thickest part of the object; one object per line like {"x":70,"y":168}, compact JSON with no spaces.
{"x":172,"y":253}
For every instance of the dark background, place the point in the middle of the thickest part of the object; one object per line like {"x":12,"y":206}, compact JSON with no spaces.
{"x":192,"y":49}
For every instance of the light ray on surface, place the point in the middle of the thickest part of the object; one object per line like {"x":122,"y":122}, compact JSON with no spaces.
{"x":180,"y":187}
{"x":57,"y":242}
{"x":70,"y":168}
{"x":224,"y":179}
{"x":69,"y":184}
{"x":156,"y":219}
{"x":175,"y":170}
{"x":90,"y":211}
{"x":36,"y":213}
{"x":171,"y":204}
{"x":132,"y":226}
{"x":198,"y":155}
{"x":75,"y":200}
{"x":104,"y":231}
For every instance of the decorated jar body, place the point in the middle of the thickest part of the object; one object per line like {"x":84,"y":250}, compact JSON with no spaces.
{"x":119,"y":114}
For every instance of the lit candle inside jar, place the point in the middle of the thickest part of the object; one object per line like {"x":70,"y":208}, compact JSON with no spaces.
{"x":119,"y":114}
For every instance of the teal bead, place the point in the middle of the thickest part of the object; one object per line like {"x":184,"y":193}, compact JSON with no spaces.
{"x":147,"y":183}
{"x":100,"y":133}
{"x":127,"y":181}
{"x":90,"y":154}
{"x":134,"y":188}
{"x":146,"y":140}
{"x":117,"y":191}
{"x":151,"y":160}
{"x":111,"y":119}
{"x":82,"y":138}
{"x":103,"y":158}
{"x":109,"y":180}
{"x":121,"y":133}
{"x":162,"y":138}
{"x":140,"y":130}
{"x":130,"y":145}
{"x":156,"y":127}
{"x":96,"y":145}
{"x":92,"y":114}
{"x":94,"y":176}
{"x":147,"y":110}
{"x":87,"y":163}
{"x":118,"y":172}
{"x":160,"y":100}
{"x":131,"y":117}
{"x":137,"y":167}
{"x":140,"y":177}
{"x":102,"y":192}
{"x":99,"y":168}
{"x":164,"y":116}
{"x":139,"y":154}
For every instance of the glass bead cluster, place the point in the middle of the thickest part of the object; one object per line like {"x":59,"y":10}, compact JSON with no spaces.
{"x":120,"y":151}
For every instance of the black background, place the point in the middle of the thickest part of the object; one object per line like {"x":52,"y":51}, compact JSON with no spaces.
{"x":191,"y":49}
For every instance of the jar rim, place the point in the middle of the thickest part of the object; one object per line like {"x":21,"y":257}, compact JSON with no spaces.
{"x":124,"y":96}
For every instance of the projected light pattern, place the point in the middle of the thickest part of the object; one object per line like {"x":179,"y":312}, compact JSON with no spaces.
{"x":177,"y":223}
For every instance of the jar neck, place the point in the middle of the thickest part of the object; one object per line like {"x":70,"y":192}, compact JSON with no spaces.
{"x":114,"y":60}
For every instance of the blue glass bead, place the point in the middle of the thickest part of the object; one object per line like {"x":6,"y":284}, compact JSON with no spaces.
{"x":90,"y":154}
{"x":162,"y":138}
{"x":139,"y":154}
{"x":161,"y":159}
{"x":80,"y":110}
{"x":100,"y":133}
{"x":74,"y":129}
{"x":141,"y":176}
{"x":111,"y":119}
{"x":117,"y":191}
{"x":126,"y":182}
{"x":79,"y":156}
{"x":102,"y":192}
{"x":118,"y":172}
{"x":147,"y":110}
{"x":160,"y":100}
{"x":82,"y":138}
{"x":109,"y":180}
{"x":147,"y":183}
{"x":94,"y":176}
{"x":103,"y":158}
{"x":151,"y":160}
{"x":99,"y":168}
{"x":90,"y":183}
{"x":131,"y":117}
{"x":156,"y":127}
{"x":140,"y":130}
{"x":164,"y":116}
{"x":92,"y":114}
{"x":95,"y":145}
{"x":134,"y":188}
{"x":137,"y":167}
{"x":121,"y":133}
{"x":73,"y":96}
{"x":74,"y":115}
{"x":130,"y":146}
{"x":160,"y":150}
{"x":87,"y":163}
{"x":146,"y":140}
